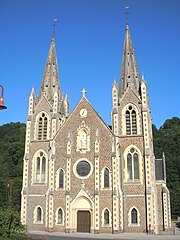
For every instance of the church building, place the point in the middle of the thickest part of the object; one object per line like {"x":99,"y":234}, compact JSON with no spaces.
{"x":79,"y":174}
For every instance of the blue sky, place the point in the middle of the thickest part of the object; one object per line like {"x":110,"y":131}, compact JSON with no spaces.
{"x":89,"y":44}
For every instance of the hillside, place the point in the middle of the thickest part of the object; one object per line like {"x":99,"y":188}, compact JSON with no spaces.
{"x":11,"y":158}
{"x":166,"y":139}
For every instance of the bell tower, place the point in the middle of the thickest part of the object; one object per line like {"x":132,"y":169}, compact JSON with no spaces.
{"x":131,"y":124}
{"x":47,"y":112}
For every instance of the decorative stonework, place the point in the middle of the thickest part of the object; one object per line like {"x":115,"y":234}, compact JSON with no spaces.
{"x":75,"y":165}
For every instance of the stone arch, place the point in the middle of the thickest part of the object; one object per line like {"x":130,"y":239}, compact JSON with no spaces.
{"x":42,"y":126}
{"x":140,"y":160}
{"x":82,"y":202}
{"x":131,"y":113}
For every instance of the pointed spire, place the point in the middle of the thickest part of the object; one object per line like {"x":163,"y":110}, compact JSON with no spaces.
{"x":129,"y":76}
{"x":33,"y":91}
{"x":50,"y":82}
{"x":114,"y":83}
{"x":143,"y":76}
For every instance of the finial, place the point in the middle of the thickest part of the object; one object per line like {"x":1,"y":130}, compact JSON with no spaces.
{"x":143,"y":76}
{"x":32,"y":90}
{"x":84,"y":91}
{"x":54,"y":25}
{"x":126,"y":13}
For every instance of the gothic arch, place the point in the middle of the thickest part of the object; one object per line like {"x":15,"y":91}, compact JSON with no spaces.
{"x":42,"y":126}
{"x":134,"y":217}
{"x":82,"y":202}
{"x":103,"y":180}
{"x":39,"y":167}
{"x":106,"y":217}
{"x":60,"y":216}
{"x":60,"y":179}
{"x":130,"y":120}
{"x":132,"y":160}
{"x":38,"y":215}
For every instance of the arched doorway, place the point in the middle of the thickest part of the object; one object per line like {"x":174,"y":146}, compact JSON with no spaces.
{"x":83,"y":221}
{"x":81,"y":212}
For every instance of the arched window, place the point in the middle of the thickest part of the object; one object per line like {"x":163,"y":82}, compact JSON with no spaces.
{"x":129,"y":166}
{"x":132,"y":165}
{"x":42,"y":127}
{"x":128,"y":123}
{"x":38,"y":214}
{"x":60,"y":216}
{"x":106,"y":216}
{"x":40,"y":168}
{"x":134,"y":216}
{"x":106,"y":178}
{"x":131,"y":121}
{"x":61,"y":178}
{"x":134,"y":124}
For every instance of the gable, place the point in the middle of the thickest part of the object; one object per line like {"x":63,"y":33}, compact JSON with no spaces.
{"x":130,"y":97}
{"x":85,"y":114}
{"x":43,"y":105}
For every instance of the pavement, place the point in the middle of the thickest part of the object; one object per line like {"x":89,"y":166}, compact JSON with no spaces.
{"x":88,"y":236}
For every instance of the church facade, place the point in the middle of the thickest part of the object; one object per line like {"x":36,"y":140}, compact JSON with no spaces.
{"x":79,"y":174}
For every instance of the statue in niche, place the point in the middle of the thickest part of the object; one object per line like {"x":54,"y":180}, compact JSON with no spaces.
{"x":83,"y":140}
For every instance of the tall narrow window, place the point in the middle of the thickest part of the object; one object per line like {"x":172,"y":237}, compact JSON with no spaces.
{"x":131,"y":121}
{"x":134,"y":125}
{"x":42,"y":127}
{"x":136,"y":166}
{"x":106,"y":216}
{"x":40,"y":168}
{"x":106,"y":178}
{"x":45,"y":128}
{"x":129,"y":166}
{"x":128,"y":123}
{"x":134,"y":217}
{"x":61,"y":179}
{"x":132,"y":165}
{"x":38,"y":215}
{"x":43,"y":171}
{"x":60,"y":216}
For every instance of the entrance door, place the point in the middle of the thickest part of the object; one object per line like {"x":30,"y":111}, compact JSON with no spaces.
{"x":83,"y":221}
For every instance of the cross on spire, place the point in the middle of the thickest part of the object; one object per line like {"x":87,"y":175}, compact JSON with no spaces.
{"x":54,"y":25}
{"x":126,"y":13}
{"x":84,"y":91}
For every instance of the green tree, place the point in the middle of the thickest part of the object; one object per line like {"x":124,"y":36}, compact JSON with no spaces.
{"x":10,"y":225}
{"x":11,"y":159}
{"x":167,"y":140}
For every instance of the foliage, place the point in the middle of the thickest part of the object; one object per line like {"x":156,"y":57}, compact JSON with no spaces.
{"x":167,"y":140}
{"x":10,"y":225}
{"x":11,"y":156}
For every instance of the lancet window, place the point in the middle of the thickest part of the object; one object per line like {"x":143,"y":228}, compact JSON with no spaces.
{"x":131,"y":121}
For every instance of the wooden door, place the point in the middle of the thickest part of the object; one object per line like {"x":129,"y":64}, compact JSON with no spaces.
{"x":83,"y":221}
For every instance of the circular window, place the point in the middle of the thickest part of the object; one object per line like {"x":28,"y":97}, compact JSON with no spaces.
{"x":83,"y":168}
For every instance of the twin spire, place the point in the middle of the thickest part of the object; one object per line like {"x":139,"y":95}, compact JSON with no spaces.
{"x":129,"y":75}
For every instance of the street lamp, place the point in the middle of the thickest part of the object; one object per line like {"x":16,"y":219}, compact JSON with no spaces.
{"x":2,"y":106}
